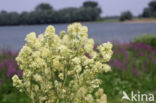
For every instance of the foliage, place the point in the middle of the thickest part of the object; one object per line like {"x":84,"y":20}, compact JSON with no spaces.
{"x":127,"y":15}
{"x":43,"y":6}
{"x":63,"y":68}
{"x":45,"y":14}
{"x":152,"y":6}
{"x":91,"y":4}
{"x":8,"y":67}
{"x":147,"y":12}
{"x":133,"y":69}
{"x":150,"y":11}
{"x":11,"y":18}
{"x":146,"y":39}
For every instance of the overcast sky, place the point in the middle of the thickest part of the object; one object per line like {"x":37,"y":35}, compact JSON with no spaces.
{"x":109,"y":7}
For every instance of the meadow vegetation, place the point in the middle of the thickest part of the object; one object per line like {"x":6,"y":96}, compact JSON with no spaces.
{"x":133,"y":69}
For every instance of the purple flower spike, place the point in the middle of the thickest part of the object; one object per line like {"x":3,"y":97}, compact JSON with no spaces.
{"x":6,"y":61}
{"x":148,"y":47}
{"x":11,"y":70}
{"x":120,"y":65}
{"x":111,"y":63}
{"x":135,"y":72}
{"x":1,"y":66}
{"x":142,"y":53}
{"x":20,"y":73}
{"x":115,"y":62}
{"x":15,"y":54}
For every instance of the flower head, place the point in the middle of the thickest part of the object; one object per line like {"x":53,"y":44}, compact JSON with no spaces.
{"x":56,"y":67}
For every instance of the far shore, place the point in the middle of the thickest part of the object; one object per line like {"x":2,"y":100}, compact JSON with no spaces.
{"x":141,"y":20}
{"x":136,"y":20}
{"x":110,"y":20}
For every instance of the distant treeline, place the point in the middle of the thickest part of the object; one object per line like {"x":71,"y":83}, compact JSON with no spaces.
{"x":45,"y":14}
{"x":148,"y":12}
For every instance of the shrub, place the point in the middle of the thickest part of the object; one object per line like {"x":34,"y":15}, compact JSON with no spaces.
{"x":146,"y":39}
{"x":127,"y":15}
{"x":63,"y":68}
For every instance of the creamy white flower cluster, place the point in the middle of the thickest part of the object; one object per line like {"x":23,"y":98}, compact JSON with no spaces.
{"x":63,"y":68}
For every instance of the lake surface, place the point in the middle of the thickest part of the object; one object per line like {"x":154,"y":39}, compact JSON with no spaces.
{"x":13,"y":36}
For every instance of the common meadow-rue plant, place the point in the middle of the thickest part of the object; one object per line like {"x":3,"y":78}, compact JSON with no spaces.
{"x":62,"y":68}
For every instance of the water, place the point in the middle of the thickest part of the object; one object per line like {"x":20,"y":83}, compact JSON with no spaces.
{"x":13,"y":37}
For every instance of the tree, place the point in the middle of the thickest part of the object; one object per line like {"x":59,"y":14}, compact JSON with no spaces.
{"x":45,"y":14}
{"x":4,"y":18}
{"x":152,"y":6}
{"x":24,"y":18}
{"x":90,"y":11}
{"x":67,"y":15}
{"x":13,"y":18}
{"x":150,"y":11}
{"x":127,"y":15}
{"x":43,"y":6}
{"x":88,"y":14}
{"x":147,"y":12}
{"x":92,"y":4}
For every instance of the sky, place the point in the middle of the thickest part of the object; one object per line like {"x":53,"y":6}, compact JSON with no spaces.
{"x":109,"y":7}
